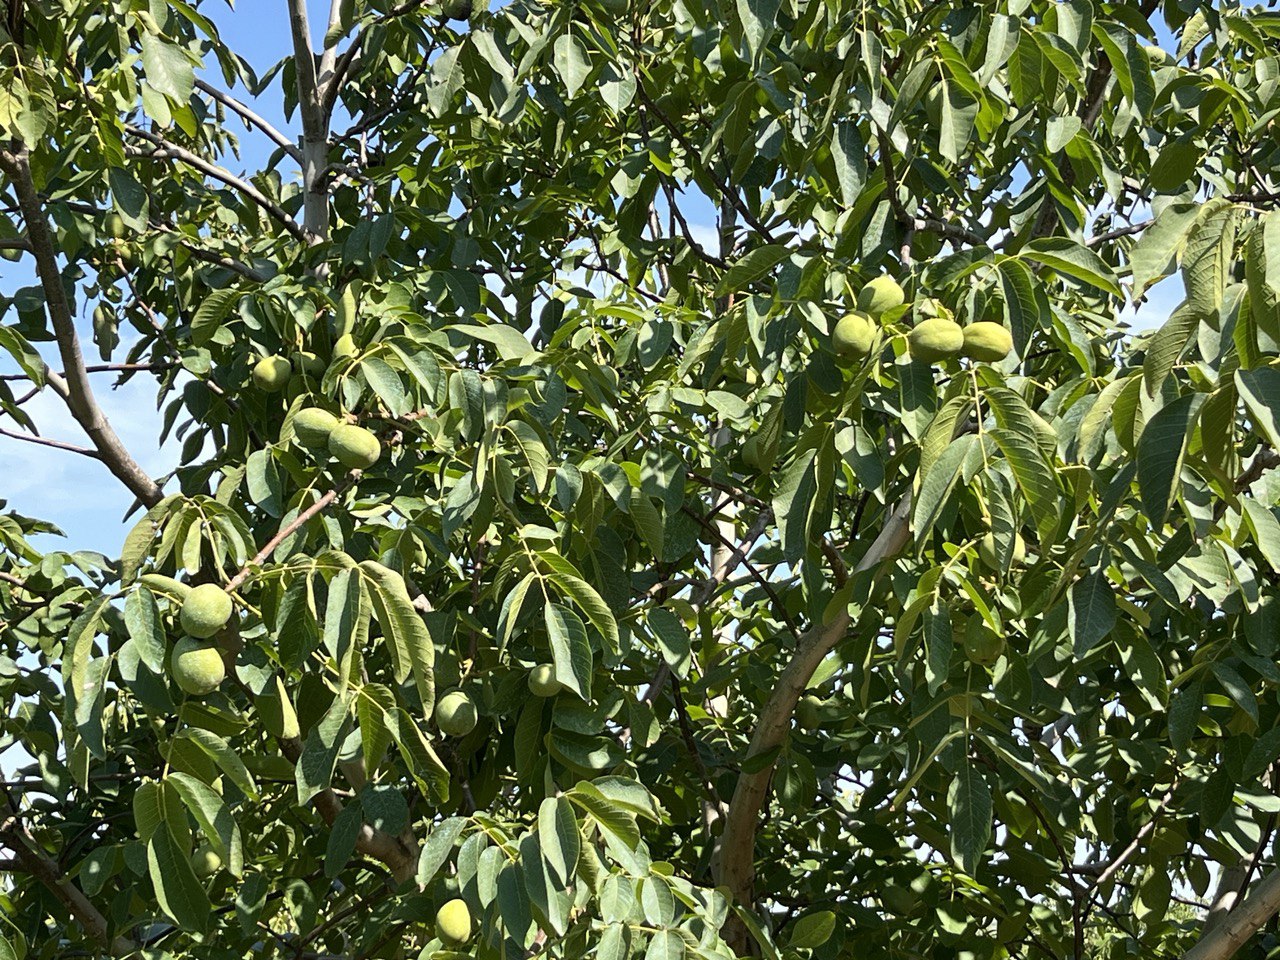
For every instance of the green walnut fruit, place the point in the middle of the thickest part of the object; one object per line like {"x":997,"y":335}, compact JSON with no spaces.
{"x":114,"y":225}
{"x":982,"y":645}
{"x":196,"y":666}
{"x":987,"y":341}
{"x":881,"y":294}
{"x":989,"y":551}
{"x":453,"y":922}
{"x":313,"y":426}
{"x":854,"y":337}
{"x":1159,"y":56}
{"x":205,"y":861}
{"x":456,"y":714}
{"x":271,"y":374}
{"x":354,"y":447}
{"x":543,"y":682}
{"x":205,"y":611}
{"x":935,"y":340}
{"x":809,"y":713}
{"x":345,"y":347}
{"x":457,"y":10}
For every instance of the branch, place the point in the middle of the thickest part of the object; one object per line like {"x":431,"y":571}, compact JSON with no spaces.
{"x":1088,"y":111}
{"x":216,"y":259}
{"x":725,"y":188}
{"x":75,"y":388}
{"x":737,"y":855}
{"x":288,"y":529}
{"x":1115,"y":234}
{"x":399,"y":858}
{"x":36,"y":862}
{"x":100,"y":368}
{"x":252,"y":119}
{"x":315,"y":133}
{"x":15,"y":243}
{"x":1265,"y":460}
{"x":171,"y":151}
{"x":46,"y":442}
{"x":1239,"y":926}
{"x":335,"y":69}
{"x":738,"y":555}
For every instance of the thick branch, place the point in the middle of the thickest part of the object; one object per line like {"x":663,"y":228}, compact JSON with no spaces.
{"x":171,"y":151}
{"x":36,"y":862}
{"x":737,"y":860}
{"x":1238,"y":927}
{"x":315,"y":133}
{"x":399,"y":858}
{"x":75,"y":388}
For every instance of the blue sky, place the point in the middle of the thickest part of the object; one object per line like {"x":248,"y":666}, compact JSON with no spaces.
{"x":78,"y":494}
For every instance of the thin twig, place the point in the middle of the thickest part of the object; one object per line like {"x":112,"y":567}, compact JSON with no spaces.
{"x":261,"y":556}
{"x":252,"y":119}
{"x":56,"y":444}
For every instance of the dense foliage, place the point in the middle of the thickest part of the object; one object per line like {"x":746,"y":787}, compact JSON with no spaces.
{"x":611,"y":598}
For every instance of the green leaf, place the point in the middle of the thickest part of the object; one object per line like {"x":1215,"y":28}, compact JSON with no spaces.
{"x":1260,"y":390}
{"x":142,"y":620}
{"x":812,"y":930}
{"x":407,"y":636}
{"x":209,"y":316}
{"x":969,"y":810}
{"x":167,"y":68}
{"x":510,"y":342}
{"x":758,"y":19}
{"x":665,"y":945}
{"x":426,"y":766}
{"x":226,"y":759}
{"x":1266,"y":530}
{"x":534,"y":452}
{"x":386,"y":384}
{"x":586,"y":597}
{"x":1206,"y":260}
{"x":1155,"y":254}
{"x":558,"y":837}
{"x":213,"y":816}
{"x":1074,"y":260}
{"x":343,"y":834}
{"x":937,"y":484}
{"x":850,"y":156}
{"x":673,"y":639}
{"x":752,"y":266}
{"x":314,"y":769}
{"x":571,"y":62}
{"x":1160,"y":453}
{"x":959,"y":115}
{"x":1091,"y":611}
{"x":179,"y":892}
{"x":438,"y":847}
{"x":1166,"y":345}
{"x":656,"y":901}
{"x":263,"y":481}
{"x":570,"y":649}
{"x":23,"y":354}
